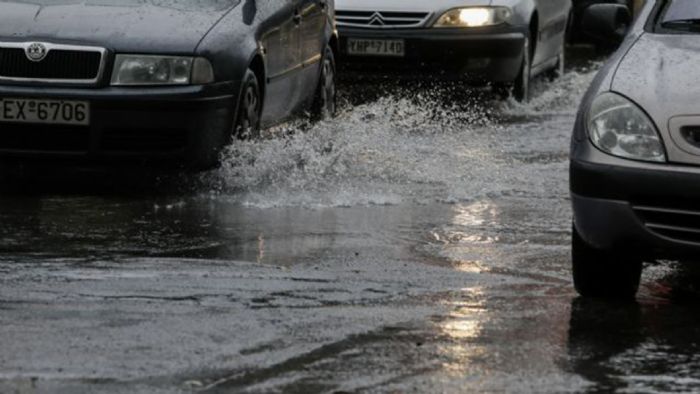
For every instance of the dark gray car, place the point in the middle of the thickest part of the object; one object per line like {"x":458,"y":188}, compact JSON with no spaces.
{"x":635,"y":156}
{"x":157,"y":80}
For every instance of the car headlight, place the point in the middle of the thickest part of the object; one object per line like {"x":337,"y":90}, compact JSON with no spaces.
{"x":474,"y":17}
{"x":142,"y":70}
{"x":619,"y":127}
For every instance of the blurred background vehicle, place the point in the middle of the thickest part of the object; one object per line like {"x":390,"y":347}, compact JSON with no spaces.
{"x":577,"y":33}
{"x":505,"y":42}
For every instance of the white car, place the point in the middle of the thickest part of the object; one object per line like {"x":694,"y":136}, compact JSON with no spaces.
{"x":506,"y":42}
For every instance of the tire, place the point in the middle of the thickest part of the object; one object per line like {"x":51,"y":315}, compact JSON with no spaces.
{"x":603,"y":274}
{"x":247,"y":123}
{"x":521,"y":87}
{"x":324,"y":105}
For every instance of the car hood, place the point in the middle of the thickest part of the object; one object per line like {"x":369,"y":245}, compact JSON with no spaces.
{"x":146,"y":26}
{"x":660,"y":73}
{"x":405,"y":5}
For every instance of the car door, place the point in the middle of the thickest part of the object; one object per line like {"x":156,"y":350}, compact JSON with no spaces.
{"x":553,"y":15}
{"x":282,"y":43}
{"x":313,"y":42}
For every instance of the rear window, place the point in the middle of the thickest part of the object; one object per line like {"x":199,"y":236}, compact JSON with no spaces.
{"x":681,"y":16}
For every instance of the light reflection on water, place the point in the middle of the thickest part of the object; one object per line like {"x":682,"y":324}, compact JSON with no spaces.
{"x":475,"y":215}
{"x":462,"y":327}
{"x":465,"y":233}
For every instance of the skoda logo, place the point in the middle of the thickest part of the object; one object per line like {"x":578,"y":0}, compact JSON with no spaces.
{"x":36,"y":51}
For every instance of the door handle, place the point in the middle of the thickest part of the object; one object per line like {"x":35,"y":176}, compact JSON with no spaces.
{"x":297,"y":17}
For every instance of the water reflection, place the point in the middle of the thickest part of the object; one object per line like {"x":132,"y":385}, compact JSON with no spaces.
{"x":461,"y":239}
{"x":467,"y":317}
{"x":636,"y":347}
{"x":117,"y":217}
{"x":460,"y":347}
{"x":598,"y":332}
{"x":475,"y":216}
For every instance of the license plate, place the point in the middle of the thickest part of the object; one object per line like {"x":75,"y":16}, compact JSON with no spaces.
{"x":366,"y":47}
{"x":45,"y":111}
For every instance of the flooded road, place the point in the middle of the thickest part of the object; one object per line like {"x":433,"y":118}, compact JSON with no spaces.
{"x":417,"y":243}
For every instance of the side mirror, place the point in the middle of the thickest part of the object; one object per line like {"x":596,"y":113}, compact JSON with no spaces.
{"x":607,"y":23}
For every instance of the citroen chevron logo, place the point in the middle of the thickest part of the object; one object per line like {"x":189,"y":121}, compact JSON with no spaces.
{"x":376,"y":19}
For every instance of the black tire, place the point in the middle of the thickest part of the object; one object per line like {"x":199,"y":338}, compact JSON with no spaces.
{"x":247,"y":122}
{"x":521,"y":87}
{"x":325,"y":99}
{"x":604,"y":274}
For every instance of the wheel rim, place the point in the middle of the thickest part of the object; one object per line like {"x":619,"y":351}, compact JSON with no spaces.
{"x":249,"y":114}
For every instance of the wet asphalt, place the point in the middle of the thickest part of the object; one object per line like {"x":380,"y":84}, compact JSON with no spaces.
{"x":417,"y":243}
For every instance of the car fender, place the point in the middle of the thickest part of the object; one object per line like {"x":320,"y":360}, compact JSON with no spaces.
{"x":522,"y":10}
{"x":232,"y":44}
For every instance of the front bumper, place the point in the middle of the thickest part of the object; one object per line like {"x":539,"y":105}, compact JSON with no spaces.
{"x":650,"y":209}
{"x":493,"y":54}
{"x":185,"y":125}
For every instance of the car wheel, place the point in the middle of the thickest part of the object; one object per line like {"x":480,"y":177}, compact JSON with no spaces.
{"x":604,"y":274}
{"x":247,"y":124}
{"x":325,"y":98}
{"x":521,"y":88}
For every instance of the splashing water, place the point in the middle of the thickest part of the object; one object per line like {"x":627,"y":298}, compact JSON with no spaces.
{"x":442,"y":144}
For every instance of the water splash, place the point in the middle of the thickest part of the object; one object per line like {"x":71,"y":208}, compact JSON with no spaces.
{"x":412,"y":144}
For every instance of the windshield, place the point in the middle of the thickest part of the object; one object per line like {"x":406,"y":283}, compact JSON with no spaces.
{"x":680,"y":16}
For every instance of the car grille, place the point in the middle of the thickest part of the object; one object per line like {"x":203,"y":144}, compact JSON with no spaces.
{"x":681,"y":224}
{"x":72,"y":65}
{"x":380,"y":19}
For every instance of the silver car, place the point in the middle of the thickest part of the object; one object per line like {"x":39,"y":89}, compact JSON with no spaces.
{"x":502,"y":41}
{"x":635,"y":153}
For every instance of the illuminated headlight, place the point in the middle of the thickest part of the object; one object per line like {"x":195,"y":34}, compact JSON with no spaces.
{"x":474,"y":17}
{"x":135,"y":70}
{"x":619,"y":127}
